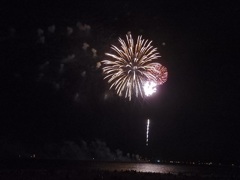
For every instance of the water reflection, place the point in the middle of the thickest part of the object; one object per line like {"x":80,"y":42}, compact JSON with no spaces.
{"x":166,"y":168}
{"x":145,"y":167}
{"x":155,"y":168}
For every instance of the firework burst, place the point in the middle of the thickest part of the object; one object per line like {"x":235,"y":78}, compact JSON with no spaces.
{"x":133,"y":66}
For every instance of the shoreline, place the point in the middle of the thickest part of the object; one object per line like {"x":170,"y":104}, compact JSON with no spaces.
{"x":50,"y":174}
{"x":67,"y":169}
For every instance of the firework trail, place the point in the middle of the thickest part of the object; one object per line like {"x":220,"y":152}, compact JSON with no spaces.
{"x":132,"y":70}
{"x":147,"y":131}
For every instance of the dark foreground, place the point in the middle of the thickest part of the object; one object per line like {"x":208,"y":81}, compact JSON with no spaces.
{"x":96,"y":175}
{"x":89,"y":170}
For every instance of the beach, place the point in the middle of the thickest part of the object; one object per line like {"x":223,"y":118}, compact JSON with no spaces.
{"x":110,"y":170}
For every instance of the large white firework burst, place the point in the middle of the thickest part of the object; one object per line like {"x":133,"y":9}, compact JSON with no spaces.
{"x":132,"y":67}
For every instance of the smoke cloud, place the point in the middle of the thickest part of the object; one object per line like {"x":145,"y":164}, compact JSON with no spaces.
{"x":69,"y":150}
{"x":95,"y":150}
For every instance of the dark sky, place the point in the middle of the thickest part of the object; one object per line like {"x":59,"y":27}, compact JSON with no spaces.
{"x":194,"y":115}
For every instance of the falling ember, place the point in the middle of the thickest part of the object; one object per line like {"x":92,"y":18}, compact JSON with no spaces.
{"x":147,"y":131}
{"x":132,"y":70}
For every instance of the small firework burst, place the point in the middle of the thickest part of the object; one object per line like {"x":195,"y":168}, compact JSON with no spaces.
{"x":132,"y":67}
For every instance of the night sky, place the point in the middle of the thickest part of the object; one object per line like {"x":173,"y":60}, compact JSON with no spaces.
{"x":52,"y":92}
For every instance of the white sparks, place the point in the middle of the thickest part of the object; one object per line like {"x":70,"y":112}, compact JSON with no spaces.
{"x":131,"y":66}
{"x":149,"y":88}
